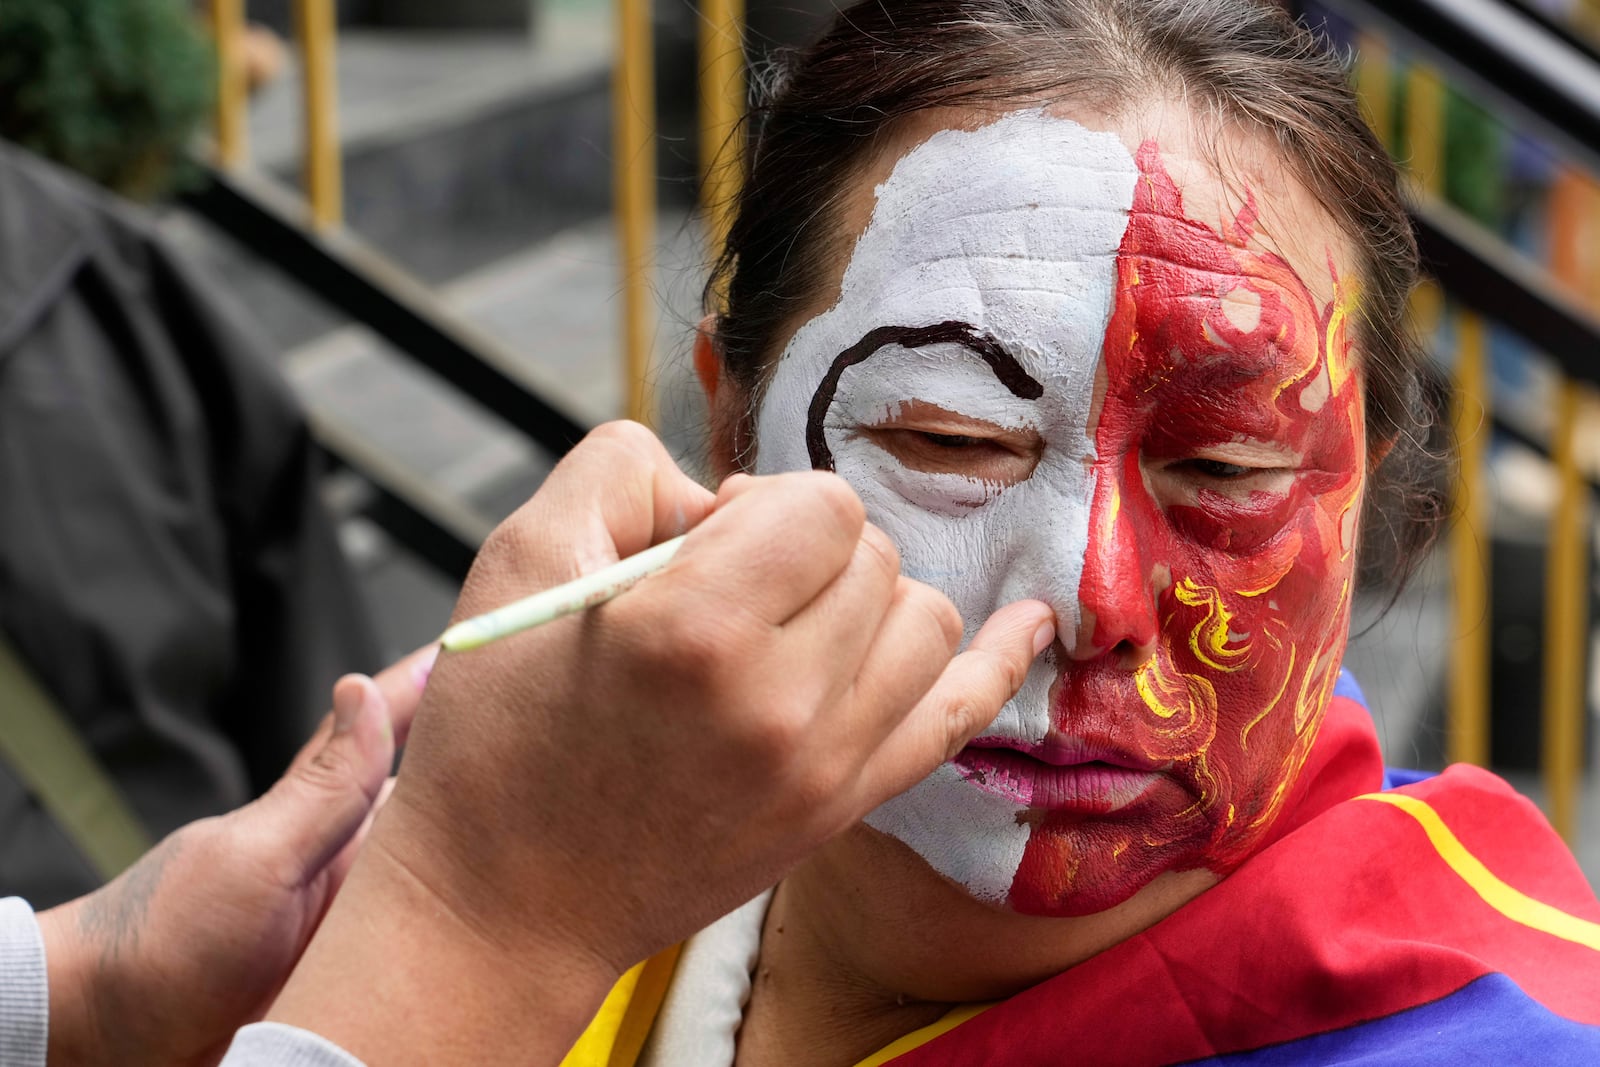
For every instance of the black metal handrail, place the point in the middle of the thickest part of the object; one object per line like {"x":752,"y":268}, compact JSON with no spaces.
{"x":1533,"y":74}
{"x":1525,"y":68}
{"x":1488,"y":276}
{"x":1555,"y":26}
{"x":343,"y":271}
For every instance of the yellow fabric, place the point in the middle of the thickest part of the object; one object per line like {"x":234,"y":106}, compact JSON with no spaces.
{"x":617,"y":1035}
{"x":917,"y":1038}
{"x":1514,"y":905}
{"x":620,"y":1028}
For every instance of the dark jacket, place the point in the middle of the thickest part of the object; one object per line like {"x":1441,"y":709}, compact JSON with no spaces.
{"x":165,"y":565}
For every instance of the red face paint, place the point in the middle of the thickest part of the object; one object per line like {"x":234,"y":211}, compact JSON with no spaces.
{"x":1235,"y":594}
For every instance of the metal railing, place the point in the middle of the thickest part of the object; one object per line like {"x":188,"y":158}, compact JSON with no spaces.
{"x":308,"y":242}
{"x":1543,"y":84}
{"x":722,"y":107}
{"x":633,"y":146}
{"x":721,"y":112}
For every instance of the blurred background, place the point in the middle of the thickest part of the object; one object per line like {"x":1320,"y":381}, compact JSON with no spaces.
{"x":466,"y":231}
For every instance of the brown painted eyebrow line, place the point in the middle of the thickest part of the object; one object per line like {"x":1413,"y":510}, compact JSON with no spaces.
{"x":1004,"y":365}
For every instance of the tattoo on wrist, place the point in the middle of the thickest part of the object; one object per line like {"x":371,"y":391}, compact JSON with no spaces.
{"x":112,"y":917}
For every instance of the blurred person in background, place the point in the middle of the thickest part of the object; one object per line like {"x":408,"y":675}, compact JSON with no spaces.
{"x":173,"y":601}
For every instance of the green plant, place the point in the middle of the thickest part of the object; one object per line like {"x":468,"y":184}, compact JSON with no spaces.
{"x":111,"y":88}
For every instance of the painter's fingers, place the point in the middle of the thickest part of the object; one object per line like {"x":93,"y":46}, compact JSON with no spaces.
{"x":617,"y":493}
{"x":837,"y":627}
{"x":402,"y":683}
{"x":909,"y":650}
{"x":768,"y":549}
{"x":313,"y":811}
{"x":965,"y":699}
{"x":340,"y":865}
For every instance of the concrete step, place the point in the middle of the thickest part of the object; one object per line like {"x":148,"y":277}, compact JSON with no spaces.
{"x":459,"y":150}
{"x":558,"y":305}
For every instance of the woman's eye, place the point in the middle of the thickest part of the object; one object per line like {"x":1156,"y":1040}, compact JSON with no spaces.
{"x":1004,"y":459}
{"x":1216,"y":468}
{"x":950,"y":440}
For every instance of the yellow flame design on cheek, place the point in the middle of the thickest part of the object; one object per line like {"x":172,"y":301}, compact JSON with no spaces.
{"x":1348,"y":516}
{"x":1210,"y":637}
{"x":1185,"y":703}
{"x":1336,"y":343}
{"x":1244,"y":735}
{"x":1316,"y":688}
{"x":1272,"y":583}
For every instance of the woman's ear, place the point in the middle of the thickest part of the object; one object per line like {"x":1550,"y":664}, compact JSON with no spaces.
{"x":707,"y":361}
{"x":1378,"y":451}
{"x":725,"y":402}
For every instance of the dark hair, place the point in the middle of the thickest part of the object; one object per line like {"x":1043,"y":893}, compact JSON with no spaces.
{"x":1244,"y":61}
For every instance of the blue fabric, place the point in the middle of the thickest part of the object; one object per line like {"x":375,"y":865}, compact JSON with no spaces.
{"x":1346,"y":686}
{"x":1395,"y":777}
{"x":1489,"y":1021}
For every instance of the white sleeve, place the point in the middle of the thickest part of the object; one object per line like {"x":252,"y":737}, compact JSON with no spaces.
{"x":278,"y":1045}
{"x":24,"y":987}
{"x":25,"y":1010}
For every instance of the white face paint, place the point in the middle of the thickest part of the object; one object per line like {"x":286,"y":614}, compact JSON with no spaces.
{"x":1013,"y":230}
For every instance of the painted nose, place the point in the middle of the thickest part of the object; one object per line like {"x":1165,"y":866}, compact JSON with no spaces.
{"x":1117,"y":593}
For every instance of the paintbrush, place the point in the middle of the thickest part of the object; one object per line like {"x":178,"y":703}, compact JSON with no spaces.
{"x":569,"y":599}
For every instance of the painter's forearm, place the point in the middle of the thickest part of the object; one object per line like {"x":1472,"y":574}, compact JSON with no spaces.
{"x":77,"y":974}
{"x":395,"y":977}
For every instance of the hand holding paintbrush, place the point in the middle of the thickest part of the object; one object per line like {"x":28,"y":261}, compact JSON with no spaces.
{"x":595,"y":789}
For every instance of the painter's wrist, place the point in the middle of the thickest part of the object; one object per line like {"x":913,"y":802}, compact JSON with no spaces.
{"x":559,"y":912}
{"x":550,"y":943}
{"x":76,"y":970}
{"x":511,"y":983}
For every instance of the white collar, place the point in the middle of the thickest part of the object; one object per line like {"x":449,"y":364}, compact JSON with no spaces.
{"x":699,"y":1019}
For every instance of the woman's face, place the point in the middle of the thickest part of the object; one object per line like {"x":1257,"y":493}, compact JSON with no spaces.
{"x":1074,"y":363}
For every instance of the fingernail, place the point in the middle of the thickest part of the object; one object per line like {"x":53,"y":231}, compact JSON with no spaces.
{"x":1043,"y":636}
{"x":422,"y":670}
{"x":348,"y":696}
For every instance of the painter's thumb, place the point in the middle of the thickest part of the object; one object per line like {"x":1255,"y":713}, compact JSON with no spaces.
{"x":990,"y":670}
{"x":320,"y":804}
{"x":966,"y":698}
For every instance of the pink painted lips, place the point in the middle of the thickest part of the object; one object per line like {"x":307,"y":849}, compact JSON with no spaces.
{"x":1059,"y":774}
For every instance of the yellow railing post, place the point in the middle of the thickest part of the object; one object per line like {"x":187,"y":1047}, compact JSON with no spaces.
{"x":1467,"y":730}
{"x":227,"y":25}
{"x":1566,"y":622}
{"x":1467,"y":709}
{"x":722,"y":102}
{"x":317,"y":25}
{"x":1373,"y":86}
{"x":634,"y":183}
{"x":1424,"y":117}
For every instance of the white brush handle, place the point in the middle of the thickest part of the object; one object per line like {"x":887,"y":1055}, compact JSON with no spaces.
{"x":563,"y":600}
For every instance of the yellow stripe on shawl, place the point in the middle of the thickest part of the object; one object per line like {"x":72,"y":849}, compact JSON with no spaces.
{"x":618,"y":1032}
{"x":620,"y":1028}
{"x":917,"y":1038}
{"x":1513,"y":904}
